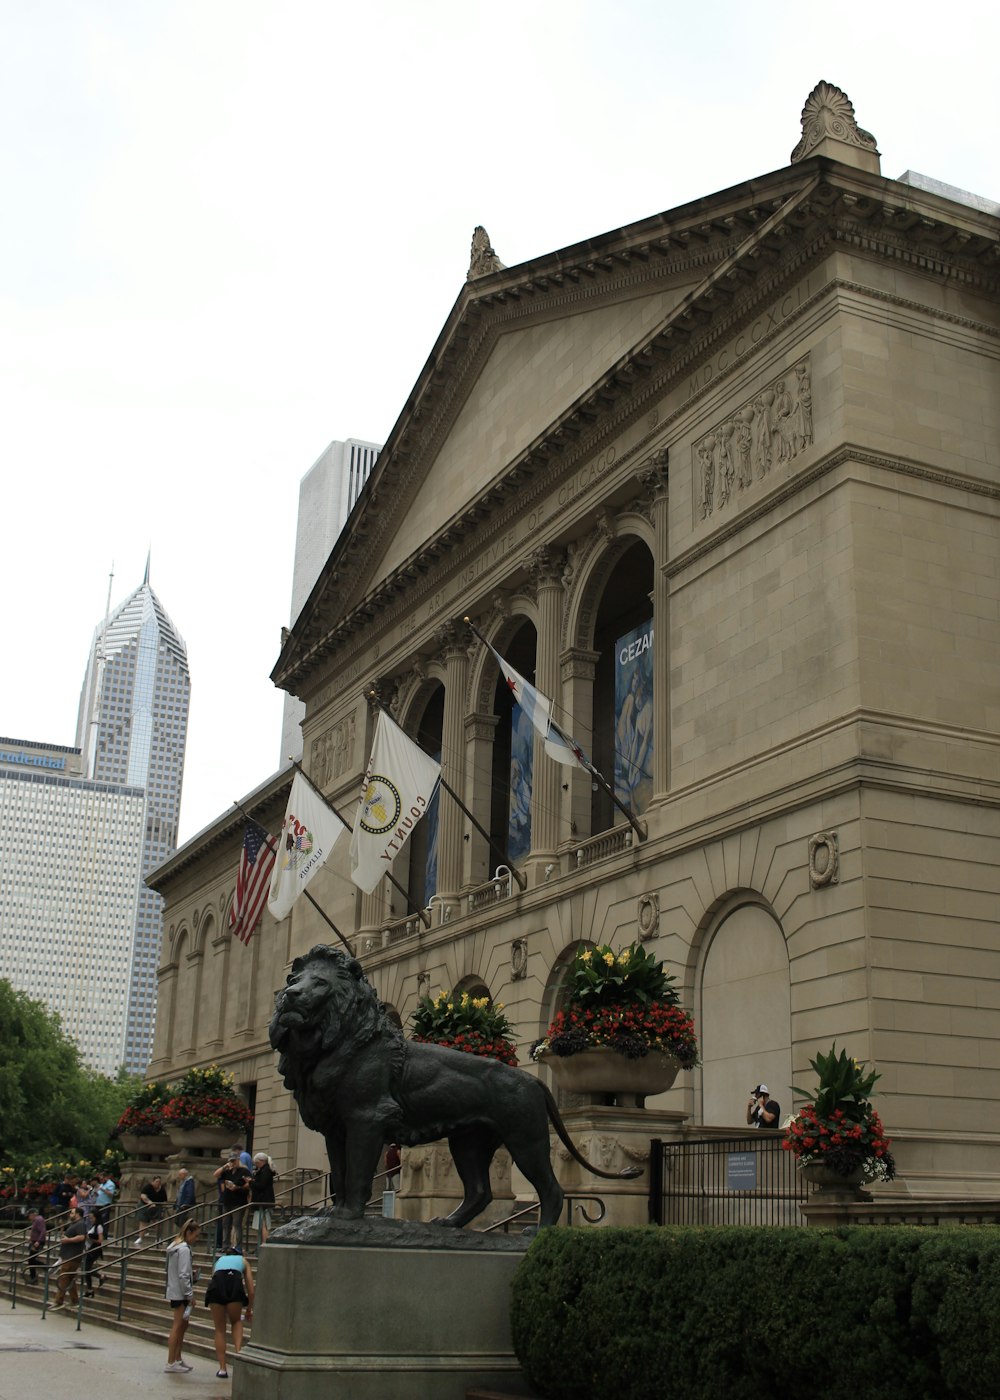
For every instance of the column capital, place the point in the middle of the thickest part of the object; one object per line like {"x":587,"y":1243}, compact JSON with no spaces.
{"x":654,"y":473}
{"x":546,"y":566}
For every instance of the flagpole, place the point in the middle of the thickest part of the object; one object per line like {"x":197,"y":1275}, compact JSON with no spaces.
{"x":518,"y":875}
{"x":321,"y":912}
{"x":392,"y":879}
{"x":638,"y":827}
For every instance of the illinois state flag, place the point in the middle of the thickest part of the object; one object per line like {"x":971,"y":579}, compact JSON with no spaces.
{"x":397,"y":790}
{"x":308,"y":835}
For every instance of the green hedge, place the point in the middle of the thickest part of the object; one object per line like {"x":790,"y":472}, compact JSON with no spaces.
{"x":758,"y":1314}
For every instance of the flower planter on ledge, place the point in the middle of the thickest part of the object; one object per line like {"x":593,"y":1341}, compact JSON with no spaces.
{"x":204,"y":1136}
{"x":600,"y":1070}
{"x":145,"y":1145}
{"x":826,"y":1182}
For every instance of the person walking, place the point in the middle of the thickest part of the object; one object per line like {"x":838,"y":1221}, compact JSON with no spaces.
{"x":261,"y":1195}
{"x":181,"y":1279}
{"x":36,"y":1246}
{"x":93,"y":1256}
{"x":72,"y":1245}
{"x":230,"y":1290}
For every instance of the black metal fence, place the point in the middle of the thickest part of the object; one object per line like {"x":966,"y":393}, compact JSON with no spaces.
{"x":744,"y":1180}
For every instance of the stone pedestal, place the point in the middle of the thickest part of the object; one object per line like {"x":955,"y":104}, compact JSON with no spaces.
{"x":365,"y":1310}
{"x":430,"y":1186}
{"x":613,"y":1138}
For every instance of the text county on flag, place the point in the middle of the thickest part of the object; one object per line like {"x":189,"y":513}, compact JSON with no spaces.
{"x":308,"y":835}
{"x":397,"y":790}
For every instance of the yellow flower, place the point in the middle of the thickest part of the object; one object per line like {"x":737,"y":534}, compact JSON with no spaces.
{"x":465,"y":998}
{"x":451,"y":1006}
{"x":586,"y":955}
{"x":624,"y":956}
{"x":498,"y":1006}
{"x":609,"y":958}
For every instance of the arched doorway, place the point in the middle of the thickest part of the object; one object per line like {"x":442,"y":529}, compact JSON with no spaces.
{"x":745,"y":1015}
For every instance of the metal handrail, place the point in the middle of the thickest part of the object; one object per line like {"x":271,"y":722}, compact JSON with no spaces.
{"x":572,"y":1199}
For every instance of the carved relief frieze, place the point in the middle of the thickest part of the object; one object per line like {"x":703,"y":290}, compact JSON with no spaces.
{"x":332,"y":753}
{"x":765,"y":432}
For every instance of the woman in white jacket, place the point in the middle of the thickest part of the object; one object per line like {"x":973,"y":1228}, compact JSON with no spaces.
{"x":181,"y":1279}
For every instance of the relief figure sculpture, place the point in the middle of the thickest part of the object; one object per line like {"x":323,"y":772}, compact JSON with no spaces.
{"x":744,"y":442}
{"x":762,"y":431}
{"x":724,"y":463}
{"x":783,"y":421}
{"x":707,"y":472}
{"x":804,"y":409}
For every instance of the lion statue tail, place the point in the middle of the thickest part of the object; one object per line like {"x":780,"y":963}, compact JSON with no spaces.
{"x":626,"y":1173}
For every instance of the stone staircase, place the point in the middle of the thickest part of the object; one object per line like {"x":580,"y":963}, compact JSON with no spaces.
{"x":145,"y":1311}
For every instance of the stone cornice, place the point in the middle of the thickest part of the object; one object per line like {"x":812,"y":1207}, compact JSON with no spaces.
{"x":823,"y":204}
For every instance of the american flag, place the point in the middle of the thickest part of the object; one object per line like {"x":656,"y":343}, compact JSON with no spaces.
{"x":253,"y":880}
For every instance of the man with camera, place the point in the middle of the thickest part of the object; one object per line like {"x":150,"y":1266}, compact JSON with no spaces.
{"x":762,"y":1111}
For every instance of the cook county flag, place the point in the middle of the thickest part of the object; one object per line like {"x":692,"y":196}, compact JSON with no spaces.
{"x":309,"y":834}
{"x":558,"y":744}
{"x":397,"y":791}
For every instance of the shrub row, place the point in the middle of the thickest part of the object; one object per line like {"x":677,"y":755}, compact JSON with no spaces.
{"x":758,"y":1314}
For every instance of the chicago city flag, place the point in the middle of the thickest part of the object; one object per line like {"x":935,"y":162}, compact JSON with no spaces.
{"x":308,"y":835}
{"x":398,"y":787}
{"x":558,"y":744}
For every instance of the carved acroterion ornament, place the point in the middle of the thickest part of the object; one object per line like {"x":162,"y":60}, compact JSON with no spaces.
{"x":829,"y":129}
{"x":483,"y":259}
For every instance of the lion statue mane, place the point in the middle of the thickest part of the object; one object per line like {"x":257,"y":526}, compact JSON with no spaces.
{"x":357,"y":1081}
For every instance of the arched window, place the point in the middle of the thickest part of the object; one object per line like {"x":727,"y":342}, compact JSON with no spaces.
{"x":623,"y":687}
{"x":513,"y":756}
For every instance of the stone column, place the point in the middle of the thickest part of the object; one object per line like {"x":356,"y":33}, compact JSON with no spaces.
{"x":654,"y":475}
{"x":546,"y":566}
{"x":577,"y":668}
{"x":452,"y":821}
{"x":480,"y":733}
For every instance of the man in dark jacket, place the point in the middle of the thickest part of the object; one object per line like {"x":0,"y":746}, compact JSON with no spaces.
{"x":234,"y":1192}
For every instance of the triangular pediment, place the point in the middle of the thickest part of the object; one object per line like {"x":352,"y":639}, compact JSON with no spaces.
{"x":557,"y":351}
{"x":532,"y":375}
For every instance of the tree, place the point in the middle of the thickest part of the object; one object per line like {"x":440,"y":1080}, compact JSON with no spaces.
{"x":49,"y":1101}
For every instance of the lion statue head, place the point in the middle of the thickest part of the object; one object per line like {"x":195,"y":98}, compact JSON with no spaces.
{"x":327,"y":1005}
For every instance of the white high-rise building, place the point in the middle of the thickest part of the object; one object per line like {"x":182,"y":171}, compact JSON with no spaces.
{"x":327,"y":495}
{"x":132,"y":729}
{"x":70,"y":861}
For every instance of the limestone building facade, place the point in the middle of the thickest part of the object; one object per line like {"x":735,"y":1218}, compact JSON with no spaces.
{"x":754,"y":440}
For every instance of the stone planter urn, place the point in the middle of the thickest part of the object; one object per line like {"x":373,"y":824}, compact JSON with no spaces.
{"x":826,"y":1182}
{"x":152,"y":1146}
{"x":202,"y":1138}
{"x":600,"y":1070}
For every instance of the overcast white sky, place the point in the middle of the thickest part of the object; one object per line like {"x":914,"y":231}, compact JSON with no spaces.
{"x":232,"y":230}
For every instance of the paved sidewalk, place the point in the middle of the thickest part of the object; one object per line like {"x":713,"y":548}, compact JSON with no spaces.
{"x":52,"y":1358}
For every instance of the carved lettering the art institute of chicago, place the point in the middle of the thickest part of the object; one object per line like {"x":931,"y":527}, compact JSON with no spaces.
{"x":767,"y":431}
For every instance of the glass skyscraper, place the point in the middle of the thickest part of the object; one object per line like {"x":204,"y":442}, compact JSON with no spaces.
{"x":70,"y":855}
{"x":132,"y":730}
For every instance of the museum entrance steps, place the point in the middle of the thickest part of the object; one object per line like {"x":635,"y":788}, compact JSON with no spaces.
{"x":144,"y":1309}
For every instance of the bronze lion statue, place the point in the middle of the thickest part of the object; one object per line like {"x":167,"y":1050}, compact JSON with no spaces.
{"x":357,"y":1081}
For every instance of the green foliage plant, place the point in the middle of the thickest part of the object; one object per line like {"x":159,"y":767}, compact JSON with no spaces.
{"x":475,"y":1025}
{"x":625,"y":1001}
{"x":838,"y":1125}
{"x":902,"y":1313}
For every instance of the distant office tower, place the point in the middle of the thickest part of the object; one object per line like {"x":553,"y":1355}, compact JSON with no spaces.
{"x":132,"y":729}
{"x":327,"y":495}
{"x":70,"y":858}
